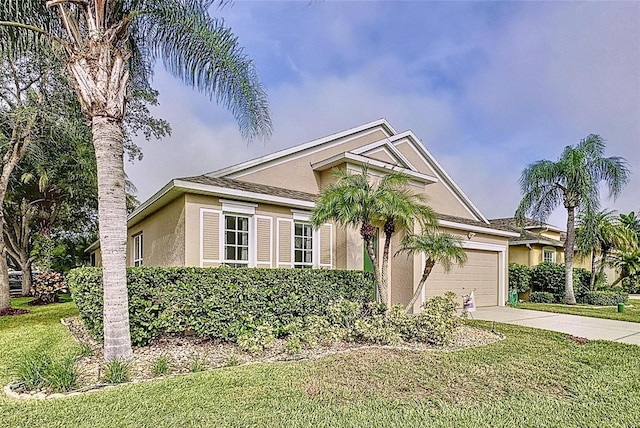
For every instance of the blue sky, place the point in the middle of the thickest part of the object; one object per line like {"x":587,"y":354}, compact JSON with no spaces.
{"x":488,"y":86}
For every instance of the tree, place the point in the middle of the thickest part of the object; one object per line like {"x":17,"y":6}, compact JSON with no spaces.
{"x":438,"y":247}
{"x":573,"y":181}
{"x":354,"y":201}
{"x":597,"y":235}
{"x":631,"y":222}
{"x":628,"y":263}
{"x":109,"y":48}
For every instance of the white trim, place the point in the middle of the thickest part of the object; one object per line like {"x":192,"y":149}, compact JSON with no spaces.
{"x":235,"y":170}
{"x":270,"y":239}
{"x":243,"y":194}
{"x":502,"y":265}
{"x":137,"y":256}
{"x":385,"y":145}
{"x":417,"y":146}
{"x":488,"y":230}
{"x":251,"y":232}
{"x":201,"y":235}
{"x":376,"y":164}
{"x":301,"y":215}
{"x":278,"y":262}
{"x":238,"y":207}
{"x":549,"y":249}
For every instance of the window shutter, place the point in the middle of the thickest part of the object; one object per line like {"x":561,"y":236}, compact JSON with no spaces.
{"x":210,"y":239}
{"x":285,"y":243}
{"x":326,"y":245}
{"x":263,"y":226}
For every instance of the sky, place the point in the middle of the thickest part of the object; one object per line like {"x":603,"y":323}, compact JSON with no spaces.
{"x":488,"y":87}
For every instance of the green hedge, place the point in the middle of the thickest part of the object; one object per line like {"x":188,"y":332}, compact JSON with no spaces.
{"x":604,"y":298}
{"x":519,"y":277}
{"x":542,"y":297}
{"x":216,"y":303}
{"x":549,"y":277}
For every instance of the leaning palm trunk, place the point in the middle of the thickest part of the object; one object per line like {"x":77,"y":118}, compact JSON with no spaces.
{"x":568,"y":256}
{"x":376,"y":273}
{"x":384,"y":270}
{"x":428,"y":267}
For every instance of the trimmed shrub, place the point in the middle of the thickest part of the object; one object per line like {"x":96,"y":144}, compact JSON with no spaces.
{"x":549,"y":277}
{"x":542,"y":297}
{"x":604,"y":298}
{"x":631,"y":285}
{"x":519,"y":277}
{"x":46,"y":287}
{"x":217,"y":303}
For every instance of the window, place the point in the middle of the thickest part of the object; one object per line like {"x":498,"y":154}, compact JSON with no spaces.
{"x":236,"y":240}
{"x":137,"y":249}
{"x":303,"y":245}
{"x":549,"y":255}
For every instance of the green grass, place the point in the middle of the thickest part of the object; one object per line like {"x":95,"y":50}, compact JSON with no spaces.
{"x":533,"y":378}
{"x":631,"y":310}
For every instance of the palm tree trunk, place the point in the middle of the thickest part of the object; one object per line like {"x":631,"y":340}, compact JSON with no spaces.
{"x":568,"y":256}
{"x":112,"y":217}
{"x":376,"y":273}
{"x":384,"y":269}
{"x":428,"y":267}
{"x":592,"y":279}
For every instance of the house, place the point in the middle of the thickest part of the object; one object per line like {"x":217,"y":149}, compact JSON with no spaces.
{"x":256,"y":213}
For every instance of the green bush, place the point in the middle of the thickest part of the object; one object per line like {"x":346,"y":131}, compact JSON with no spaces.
{"x":542,"y":297}
{"x":604,"y":298}
{"x":519,"y":277}
{"x":217,"y":303}
{"x":631,"y":285}
{"x":549,"y":277}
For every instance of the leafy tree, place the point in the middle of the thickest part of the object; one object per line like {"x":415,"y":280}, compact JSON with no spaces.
{"x":573,"y":182}
{"x":438,"y":247}
{"x":597,"y":235}
{"x":355,"y":201}
{"x":109,"y":48}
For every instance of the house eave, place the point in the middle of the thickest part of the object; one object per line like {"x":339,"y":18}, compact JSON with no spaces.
{"x":478,"y":229}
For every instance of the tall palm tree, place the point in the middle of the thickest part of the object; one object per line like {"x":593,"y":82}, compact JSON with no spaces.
{"x":597,"y":235}
{"x":355,"y":201}
{"x":438,"y":247}
{"x":628,"y":262}
{"x":631,"y":221}
{"x":109,"y":47}
{"x":573,"y":181}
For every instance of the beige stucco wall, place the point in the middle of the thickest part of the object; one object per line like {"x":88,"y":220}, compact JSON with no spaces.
{"x":296,"y":173}
{"x":163,"y":236}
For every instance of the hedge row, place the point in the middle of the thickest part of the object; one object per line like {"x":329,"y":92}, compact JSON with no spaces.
{"x":216,"y":303}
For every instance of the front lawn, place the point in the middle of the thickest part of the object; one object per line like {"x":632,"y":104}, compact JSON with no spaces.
{"x":532,"y":378}
{"x":631,"y":310}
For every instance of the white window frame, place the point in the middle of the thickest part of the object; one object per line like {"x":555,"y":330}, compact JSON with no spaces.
{"x":312,"y":235}
{"x":237,"y":232}
{"x":305,"y":217}
{"x":549,"y":250}
{"x":137,"y":258}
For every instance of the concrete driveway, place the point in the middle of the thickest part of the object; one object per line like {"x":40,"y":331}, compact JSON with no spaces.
{"x":591,"y":328}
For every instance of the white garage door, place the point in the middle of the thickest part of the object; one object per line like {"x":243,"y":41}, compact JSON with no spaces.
{"x":480,"y":273}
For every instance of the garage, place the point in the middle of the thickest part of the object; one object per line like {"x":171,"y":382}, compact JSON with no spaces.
{"x":480,"y":274}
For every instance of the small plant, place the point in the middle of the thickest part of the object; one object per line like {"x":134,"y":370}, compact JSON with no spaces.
{"x":232,"y":361}
{"x":293,"y":346}
{"x":257,"y":341}
{"x":85,"y":350}
{"x":161,"y":365}
{"x":38,"y":370}
{"x":116,"y":371}
{"x":47,"y":286}
{"x":197,"y":364}
{"x":542,"y":297}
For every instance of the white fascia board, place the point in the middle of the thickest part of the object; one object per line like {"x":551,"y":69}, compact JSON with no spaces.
{"x":539,"y":241}
{"x":376,"y":164}
{"x":473,"y":228}
{"x":430,"y":159}
{"x":233,"y":169}
{"x":132,"y":219}
{"x":243,"y":194}
{"x":94,"y":246}
{"x":385,"y":144}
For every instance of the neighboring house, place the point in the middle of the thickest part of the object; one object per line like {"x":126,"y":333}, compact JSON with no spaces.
{"x":256,"y":213}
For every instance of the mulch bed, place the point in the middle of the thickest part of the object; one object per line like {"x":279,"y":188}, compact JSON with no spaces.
{"x":13,"y":311}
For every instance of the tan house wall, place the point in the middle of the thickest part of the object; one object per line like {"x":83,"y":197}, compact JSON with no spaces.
{"x":163,"y":236}
{"x":296,"y":173}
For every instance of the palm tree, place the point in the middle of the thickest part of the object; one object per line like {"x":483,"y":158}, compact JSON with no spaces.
{"x":628,"y":263}
{"x":573,"y":181}
{"x":631,"y":222}
{"x":597,"y":235}
{"x":438,"y":247}
{"x":110,"y":47}
{"x":354,"y":201}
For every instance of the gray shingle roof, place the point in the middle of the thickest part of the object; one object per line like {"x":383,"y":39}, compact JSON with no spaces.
{"x":250,"y":187}
{"x":526,"y":236}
